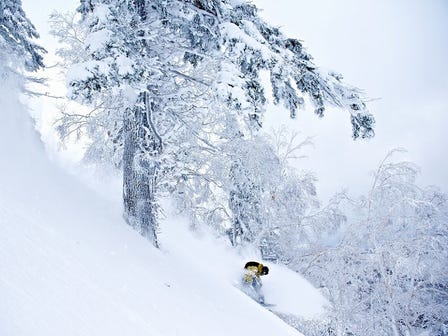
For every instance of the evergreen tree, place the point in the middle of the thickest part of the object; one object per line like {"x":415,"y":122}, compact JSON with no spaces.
{"x":248,"y":46}
{"x":17,"y":48}
{"x":177,"y":79}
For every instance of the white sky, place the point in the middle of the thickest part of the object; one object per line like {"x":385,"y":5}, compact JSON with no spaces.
{"x":396,"y":51}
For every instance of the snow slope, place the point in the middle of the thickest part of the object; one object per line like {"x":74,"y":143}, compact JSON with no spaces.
{"x":70,"y":266}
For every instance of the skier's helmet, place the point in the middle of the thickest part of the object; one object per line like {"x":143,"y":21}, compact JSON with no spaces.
{"x":264,"y":270}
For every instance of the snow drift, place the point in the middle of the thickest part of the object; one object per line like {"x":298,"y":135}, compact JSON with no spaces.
{"x":69,"y":265}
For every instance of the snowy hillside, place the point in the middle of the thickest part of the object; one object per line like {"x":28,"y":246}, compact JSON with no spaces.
{"x":70,"y":266}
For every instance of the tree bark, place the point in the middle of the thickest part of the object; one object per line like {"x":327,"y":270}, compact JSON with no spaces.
{"x":142,"y":145}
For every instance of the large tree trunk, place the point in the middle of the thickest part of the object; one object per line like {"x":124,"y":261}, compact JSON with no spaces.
{"x":142,"y":145}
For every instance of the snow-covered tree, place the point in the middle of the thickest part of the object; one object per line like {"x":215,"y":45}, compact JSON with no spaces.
{"x":255,"y":46}
{"x":251,"y":47}
{"x":17,"y":47}
{"x":248,"y":47}
{"x":252,"y":194}
{"x":172,"y":80}
{"x":387,"y":274}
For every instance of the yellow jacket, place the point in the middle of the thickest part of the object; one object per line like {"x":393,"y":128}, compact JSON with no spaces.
{"x":253,"y":270}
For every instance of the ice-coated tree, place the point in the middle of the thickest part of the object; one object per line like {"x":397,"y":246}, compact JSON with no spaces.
{"x":173,"y":80}
{"x":132,"y":73}
{"x":388,"y":272}
{"x":17,"y":47}
{"x":128,"y":79}
{"x":248,"y":47}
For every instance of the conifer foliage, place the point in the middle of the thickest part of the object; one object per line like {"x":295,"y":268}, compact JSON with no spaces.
{"x":16,"y":38}
{"x":176,"y":79}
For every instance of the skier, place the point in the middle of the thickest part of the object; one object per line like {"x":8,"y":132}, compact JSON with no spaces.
{"x":252,"y":281}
